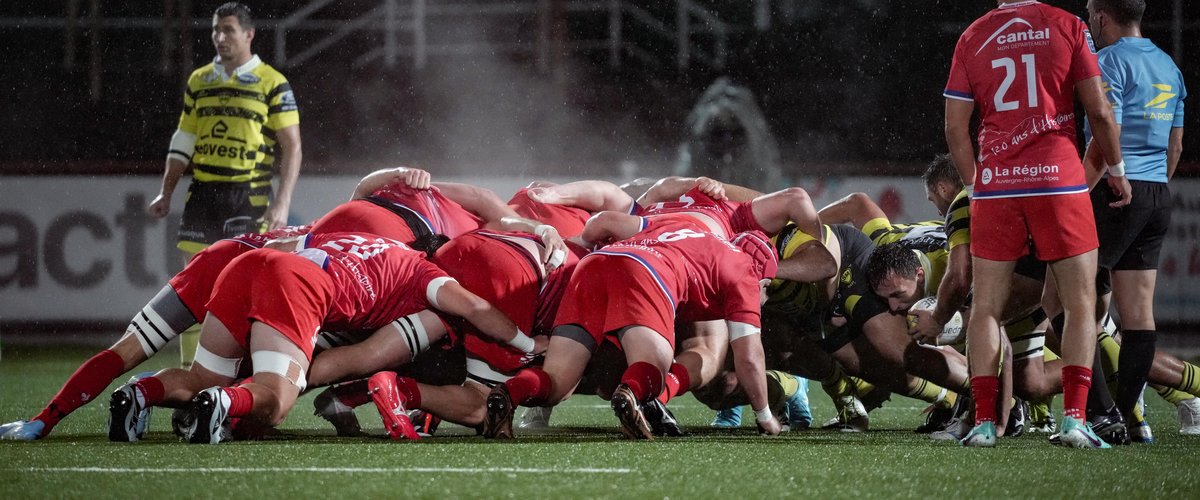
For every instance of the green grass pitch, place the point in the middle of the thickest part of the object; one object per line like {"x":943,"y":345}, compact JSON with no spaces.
{"x":583,"y":456}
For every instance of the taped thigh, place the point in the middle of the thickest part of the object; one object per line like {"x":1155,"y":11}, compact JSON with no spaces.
{"x":225,"y":367}
{"x":280,"y":364}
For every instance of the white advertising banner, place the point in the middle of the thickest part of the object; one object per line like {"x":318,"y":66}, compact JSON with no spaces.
{"x":83,"y":248}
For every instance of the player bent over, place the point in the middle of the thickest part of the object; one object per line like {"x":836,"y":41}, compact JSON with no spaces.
{"x":632,"y":292}
{"x":268,"y":306}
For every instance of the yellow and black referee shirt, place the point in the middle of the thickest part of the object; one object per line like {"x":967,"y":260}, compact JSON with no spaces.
{"x":234,"y":118}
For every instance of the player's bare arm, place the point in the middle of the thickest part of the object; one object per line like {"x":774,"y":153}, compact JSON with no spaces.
{"x":160,"y":206}
{"x":1106,"y":135}
{"x":289,"y":172}
{"x":374,"y":181}
{"x":958,"y":139}
{"x":855,"y":208}
{"x":491,"y":322}
{"x":1174,"y":150}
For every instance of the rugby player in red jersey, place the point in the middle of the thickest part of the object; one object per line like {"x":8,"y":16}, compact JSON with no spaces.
{"x":503,"y":269}
{"x":173,"y":309}
{"x":631,"y":293}
{"x":268,"y":306}
{"x":1021,"y":65}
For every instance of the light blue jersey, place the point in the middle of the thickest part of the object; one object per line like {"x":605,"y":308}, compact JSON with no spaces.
{"x":1147,"y":92}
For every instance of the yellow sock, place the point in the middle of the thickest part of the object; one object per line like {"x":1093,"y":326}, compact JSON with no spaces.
{"x":1191,"y":379}
{"x":862,"y":387}
{"x":188,"y":341}
{"x":929,"y":392}
{"x":1110,"y":351}
{"x":838,"y":385}
{"x":1039,"y":411}
{"x":1172,"y":395}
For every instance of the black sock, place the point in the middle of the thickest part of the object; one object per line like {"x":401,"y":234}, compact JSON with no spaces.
{"x":1137,"y":354}
{"x":1100,"y":401}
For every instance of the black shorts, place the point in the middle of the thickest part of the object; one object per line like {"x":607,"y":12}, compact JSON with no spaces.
{"x":1131,"y":236}
{"x":218,"y":210}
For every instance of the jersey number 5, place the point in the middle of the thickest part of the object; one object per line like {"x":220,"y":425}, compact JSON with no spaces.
{"x":1010,"y":74}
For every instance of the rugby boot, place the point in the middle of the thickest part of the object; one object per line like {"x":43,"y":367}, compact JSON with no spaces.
{"x":22,"y":430}
{"x":1189,"y":416}
{"x":210,"y":414}
{"x":426,"y":423}
{"x":728,"y":419}
{"x":633,"y":422}
{"x":1017,"y":417}
{"x":1110,"y":428}
{"x":497,"y":424}
{"x":662,"y":421}
{"x":327,"y":406}
{"x":390,"y":404}
{"x":537,"y":417}
{"x":123,"y":411}
{"x":982,"y":436}
{"x":1077,"y":435}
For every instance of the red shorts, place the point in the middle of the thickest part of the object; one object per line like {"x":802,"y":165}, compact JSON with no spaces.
{"x":282,"y":290}
{"x":501,"y":274}
{"x":194,"y":284}
{"x":609,"y":292}
{"x":1058,"y":227}
{"x":568,"y":221}
{"x":361,"y":216}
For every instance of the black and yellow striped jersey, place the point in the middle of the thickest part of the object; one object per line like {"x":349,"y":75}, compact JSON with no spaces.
{"x":234,"y":119}
{"x":808,"y":299}
{"x":883,"y":231}
{"x":958,"y":220}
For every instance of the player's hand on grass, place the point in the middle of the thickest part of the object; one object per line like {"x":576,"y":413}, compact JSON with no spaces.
{"x":711,"y":187}
{"x":160,"y":206}
{"x":922,"y":327}
{"x":770,"y":426}
{"x":1120,"y":187}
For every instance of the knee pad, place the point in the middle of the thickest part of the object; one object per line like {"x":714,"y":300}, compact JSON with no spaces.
{"x":280,"y":364}
{"x":225,"y":367}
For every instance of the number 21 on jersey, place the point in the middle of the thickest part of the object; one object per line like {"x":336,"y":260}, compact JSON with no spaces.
{"x":1010,"y":74}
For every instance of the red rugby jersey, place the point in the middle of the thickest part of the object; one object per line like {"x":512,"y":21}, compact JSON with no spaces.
{"x":1019,"y":64}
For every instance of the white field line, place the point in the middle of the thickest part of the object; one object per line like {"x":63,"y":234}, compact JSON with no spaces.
{"x":333,"y":470}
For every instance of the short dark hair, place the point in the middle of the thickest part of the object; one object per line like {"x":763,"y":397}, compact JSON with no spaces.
{"x":239,"y":10}
{"x":941,"y":169}
{"x":1124,"y":12}
{"x":888,"y":259}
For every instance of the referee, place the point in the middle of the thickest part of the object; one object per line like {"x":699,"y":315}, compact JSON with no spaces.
{"x":239,"y":117}
{"x":1146,"y":90}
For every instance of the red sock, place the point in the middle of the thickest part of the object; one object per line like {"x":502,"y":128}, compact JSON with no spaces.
{"x":152,"y":390}
{"x":84,"y":385}
{"x":409,"y":391}
{"x":352,"y":394}
{"x":530,"y":387}
{"x":985,"y":390}
{"x":644,"y":379}
{"x":1075,"y":380}
{"x":241,"y":401}
{"x":677,"y":382}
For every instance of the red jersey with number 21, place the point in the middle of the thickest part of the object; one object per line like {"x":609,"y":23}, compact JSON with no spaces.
{"x":1019,"y":64}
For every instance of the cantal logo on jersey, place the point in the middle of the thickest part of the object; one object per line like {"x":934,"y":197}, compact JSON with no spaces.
{"x":1019,"y":36}
{"x":1164,"y":96}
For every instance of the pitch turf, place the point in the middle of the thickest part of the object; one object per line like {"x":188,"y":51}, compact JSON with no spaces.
{"x":583,"y":456}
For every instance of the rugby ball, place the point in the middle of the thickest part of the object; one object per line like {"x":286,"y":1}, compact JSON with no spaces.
{"x":954,"y":331}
